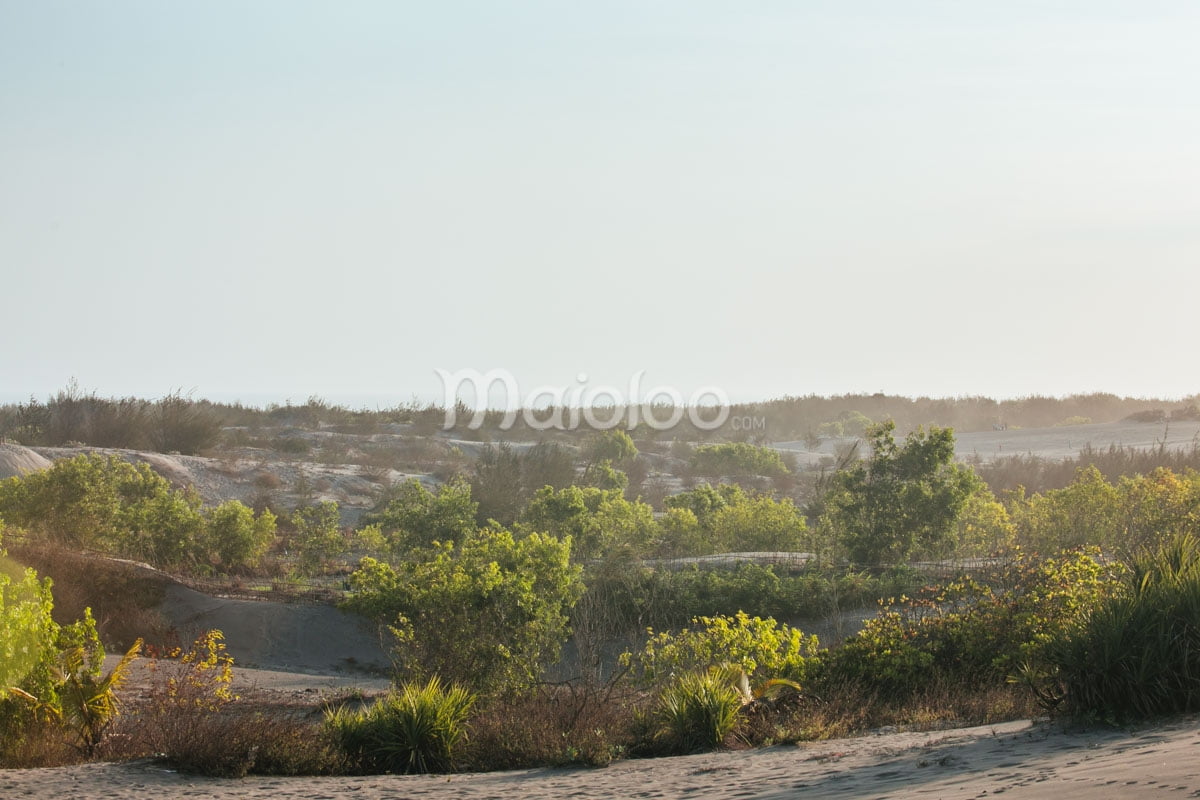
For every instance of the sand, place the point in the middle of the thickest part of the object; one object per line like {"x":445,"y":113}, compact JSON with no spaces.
{"x":1014,"y":760}
{"x":16,"y":460}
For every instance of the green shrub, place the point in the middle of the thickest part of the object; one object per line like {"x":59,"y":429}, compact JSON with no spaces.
{"x":698,"y":710}
{"x":968,"y":633}
{"x":738,"y":459}
{"x":415,"y":729}
{"x":762,"y":648}
{"x":1137,"y":654}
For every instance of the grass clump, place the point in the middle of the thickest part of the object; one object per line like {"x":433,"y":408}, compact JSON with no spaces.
{"x":415,"y":729}
{"x":698,"y":710}
{"x":1137,"y":654}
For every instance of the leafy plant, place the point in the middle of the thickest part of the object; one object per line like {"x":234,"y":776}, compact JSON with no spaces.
{"x":762,"y":648}
{"x":489,"y":613}
{"x":969,"y":633}
{"x":88,"y":697}
{"x":904,"y":499}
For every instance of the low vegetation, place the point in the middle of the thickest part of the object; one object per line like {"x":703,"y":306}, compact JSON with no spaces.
{"x":1081,"y":598}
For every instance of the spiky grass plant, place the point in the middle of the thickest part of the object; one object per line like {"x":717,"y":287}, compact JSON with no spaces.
{"x":1137,"y":654}
{"x":412,"y":730}
{"x":698,"y":710}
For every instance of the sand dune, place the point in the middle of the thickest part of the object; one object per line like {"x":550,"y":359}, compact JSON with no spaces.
{"x":17,"y":460}
{"x":1015,"y":760}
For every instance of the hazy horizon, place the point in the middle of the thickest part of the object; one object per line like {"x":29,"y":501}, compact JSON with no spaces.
{"x":284,"y":199}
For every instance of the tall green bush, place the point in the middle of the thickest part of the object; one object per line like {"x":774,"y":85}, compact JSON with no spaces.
{"x":489,"y":613}
{"x":1137,"y":653}
{"x":970,"y":633}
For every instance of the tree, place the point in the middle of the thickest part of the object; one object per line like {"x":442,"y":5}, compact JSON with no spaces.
{"x":902,"y":500}
{"x":488,"y":612}
{"x":318,"y":535}
{"x":496,"y":485}
{"x":416,"y":517}
{"x":728,"y":519}
{"x":705,"y":500}
{"x":737,"y":459}
{"x":612,"y":445}
{"x":49,"y":672}
{"x":601,"y":523}
{"x":1088,"y":511}
{"x":546,"y":464}
{"x":106,"y":503}
{"x":237,"y":538}
{"x":759,"y":523}
{"x":605,"y":452}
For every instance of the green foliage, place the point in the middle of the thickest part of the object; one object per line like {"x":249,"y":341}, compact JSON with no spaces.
{"x":88,"y":697}
{"x":726,"y":519}
{"x":236,"y":536}
{"x":600,"y":523}
{"x":1088,"y":512}
{"x":737,"y":459}
{"x":1137,"y":512}
{"x":416,"y":729}
{"x":1158,"y":508}
{"x":759,"y":523}
{"x":318,"y":536}
{"x":415,"y":517}
{"x":762,"y":648}
{"x":613,"y":446}
{"x":969,"y":633}
{"x":983,"y":527}
{"x":79,"y":501}
{"x":698,"y":710}
{"x":705,"y":500}
{"x":606,"y":477}
{"x":902,"y":501}
{"x":49,"y":673}
{"x":634,"y":597}
{"x":28,"y":632}
{"x":106,"y":503}
{"x":1136,"y":653}
{"x":489,"y":613}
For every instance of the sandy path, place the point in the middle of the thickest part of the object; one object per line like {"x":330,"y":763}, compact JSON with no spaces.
{"x":1017,"y":759}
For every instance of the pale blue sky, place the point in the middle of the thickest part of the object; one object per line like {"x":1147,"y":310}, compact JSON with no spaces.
{"x":278,"y":199}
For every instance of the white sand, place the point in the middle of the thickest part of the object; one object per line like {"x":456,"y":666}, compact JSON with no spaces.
{"x":1015,"y":760}
{"x":17,"y":460}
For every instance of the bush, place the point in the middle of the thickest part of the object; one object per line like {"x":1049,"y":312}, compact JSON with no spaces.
{"x":489,"y":613}
{"x":762,"y":648}
{"x":971,"y":634}
{"x":413,"y":730}
{"x":698,"y":710}
{"x":737,"y":459}
{"x":1137,"y":654}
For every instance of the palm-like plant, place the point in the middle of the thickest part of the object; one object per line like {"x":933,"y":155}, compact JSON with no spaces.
{"x":88,"y":698}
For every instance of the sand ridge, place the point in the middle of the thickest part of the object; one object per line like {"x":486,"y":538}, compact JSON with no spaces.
{"x":1015,"y":759}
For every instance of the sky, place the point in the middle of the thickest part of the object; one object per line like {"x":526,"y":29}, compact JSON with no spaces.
{"x":266,"y":201}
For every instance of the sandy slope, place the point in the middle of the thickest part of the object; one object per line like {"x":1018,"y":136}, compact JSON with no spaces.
{"x":1017,"y":760}
{"x":17,"y":460}
{"x":282,"y":636}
